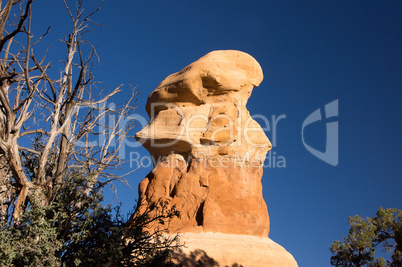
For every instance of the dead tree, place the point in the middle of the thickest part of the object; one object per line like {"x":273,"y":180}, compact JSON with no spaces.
{"x":63,"y":113}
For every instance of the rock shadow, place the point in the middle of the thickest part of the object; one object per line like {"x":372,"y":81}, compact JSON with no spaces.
{"x":197,"y":258}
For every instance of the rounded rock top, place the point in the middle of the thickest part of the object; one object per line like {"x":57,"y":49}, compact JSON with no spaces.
{"x":218,"y":74}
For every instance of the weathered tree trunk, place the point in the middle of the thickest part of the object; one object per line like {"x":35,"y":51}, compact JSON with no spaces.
{"x":5,"y":187}
{"x":5,"y":178}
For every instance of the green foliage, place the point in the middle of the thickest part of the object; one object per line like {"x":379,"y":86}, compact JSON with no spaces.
{"x":76,"y":230}
{"x":366,"y":235}
{"x":32,"y":242}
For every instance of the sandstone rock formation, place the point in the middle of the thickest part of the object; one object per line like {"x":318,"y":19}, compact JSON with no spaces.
{"x":209,"y":153}
{"x":219,"y":249}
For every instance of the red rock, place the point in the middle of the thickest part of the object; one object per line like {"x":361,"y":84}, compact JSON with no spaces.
{"x":211,"y":155}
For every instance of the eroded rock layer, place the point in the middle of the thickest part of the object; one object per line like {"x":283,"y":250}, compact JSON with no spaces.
{"x":201,"y":112}
{"x":211,"y":196}
{"x":209,"y":154}
{"x":232,"y":250}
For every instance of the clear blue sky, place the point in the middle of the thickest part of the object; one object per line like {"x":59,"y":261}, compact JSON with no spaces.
{"x":311,"y":52}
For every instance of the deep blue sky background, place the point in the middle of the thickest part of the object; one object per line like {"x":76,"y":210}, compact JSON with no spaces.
{"x":311,"y":52}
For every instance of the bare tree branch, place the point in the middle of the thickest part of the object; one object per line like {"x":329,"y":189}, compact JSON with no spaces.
{"x":4,"y":18}
{"x":66,"y":118}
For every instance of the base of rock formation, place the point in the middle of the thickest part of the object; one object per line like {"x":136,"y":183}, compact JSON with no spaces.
{"x":218,"y":249}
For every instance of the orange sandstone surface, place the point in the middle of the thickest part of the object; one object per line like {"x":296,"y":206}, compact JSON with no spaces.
{"x":210,"y":154}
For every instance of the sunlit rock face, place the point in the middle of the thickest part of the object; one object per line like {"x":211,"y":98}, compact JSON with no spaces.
{"x":209,"y":153}
{"x":200,"y":112}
